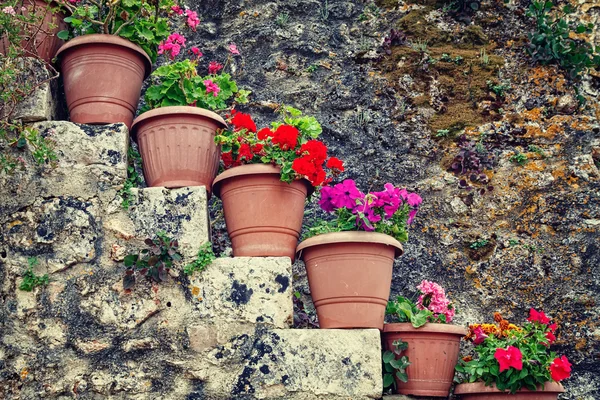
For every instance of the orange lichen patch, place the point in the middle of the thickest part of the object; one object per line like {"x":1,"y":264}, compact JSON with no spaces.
{"x":534,"y":131}
{"x":533,"y":115}
{"x":24,"y":373}
{"x":534,"y":165}
{"x":195,"y":290}
{"x":580,"y":124}
{"x":14,"y":223}
{"x":581,"y":343}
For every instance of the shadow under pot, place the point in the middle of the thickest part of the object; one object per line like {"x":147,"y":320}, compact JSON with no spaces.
{"x":102,"y":76}
{"x":263,"y":214}
{"x":350,"y":276}
{"x":177,"y":145}
{"x":433,"y":351}
{"x":478,"y":391}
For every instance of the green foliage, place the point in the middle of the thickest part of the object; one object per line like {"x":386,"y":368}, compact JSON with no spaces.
{"x":537,"y":150}
{"x":15,"y":139}
{"x":513,"y":242}
{"x":553,"y":40}
{"x":142,"y":22}
{"x":442,"y":133}
{"x":371,"y":11}
{"x":153,"y":263}
{"x":31,"y":280}
{"x":462,"y":8}
{"x":530,"y":340}
{"x":456,"y":60}
{"x":395,"y":364}
{"x":499,"y":89}
{"x":282,"y":19}
{"x":478,"y":244}
{"x":519,"y":158}
{"x":312,"y":68}
{"x":178,"y":84}
{"x":205,"y":257}
{"x":133,"y":178}
{"x":404,"y":310}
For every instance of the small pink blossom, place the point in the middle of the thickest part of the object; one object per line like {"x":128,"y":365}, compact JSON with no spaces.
{"x":214,"y":67}
{"x":9,"y":10}
{"x":433,"y":298}
{"x":192,"y":19}
{"x":233,"y":49}
{"x":196,"y":51}
{"x":172,"y":46}
{"x":177,"y":10}
{"x":212,"y":87}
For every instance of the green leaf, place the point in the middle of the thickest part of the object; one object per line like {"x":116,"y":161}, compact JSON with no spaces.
{"x":146,"y":33}
{"x":388,"y":356}
{"x":402,"y":376}
{"x":130,"y":260}
{"x":420,"y":318}
{"x":388,"y":380}
{"x":64,"y":35}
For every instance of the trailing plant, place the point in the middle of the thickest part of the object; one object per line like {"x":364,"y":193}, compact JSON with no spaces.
{"x":513,"y":357}
{"x":499,"y":89}
{"x":431,"y":306}
{"x":133,"y":178}
{"x":478,"y":244}
{"x":153,"y":263}
{"x":519,"y":158}
{"x":205,"y":257}
{"x":30,"y":279}
{"x":143,"y":22}
{"x":179,"y":84}
{"x":390,"y":211}
{"x":555,"y":39}
{"x":395,"y":364}
{"x":395,"y":38}
{"x":289,"y":143}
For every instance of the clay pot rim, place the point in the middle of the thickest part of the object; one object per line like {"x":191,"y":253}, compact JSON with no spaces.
{"x":171,"y":110}
{"x":251,"y":169}
{"x":479,"y":387}
{"x":100,"y":38}
{"x":351,"y":237}
{"x":429,"y":327}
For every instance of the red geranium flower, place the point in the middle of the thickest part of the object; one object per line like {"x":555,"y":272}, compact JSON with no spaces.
{"x":553,"y":326}
{"x":245,"y":152}
{"x":304,"y":166}
{"x":286,"y":136}
{"x":227,"y":159}
{"x":538,"y":316}
{"x":560,"y":369}
{"x":257,"y":148}
{"x":315,"y":149}
{"x":550,"y":336}
{"x":335,"y":163}
{"x":264,"y":133}
{"x":243,"y":121}
{"x":509,"y":357}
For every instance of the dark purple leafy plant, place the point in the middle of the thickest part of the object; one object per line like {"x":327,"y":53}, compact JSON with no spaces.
{"x":470,"y":162}
{"x":395,"y":38}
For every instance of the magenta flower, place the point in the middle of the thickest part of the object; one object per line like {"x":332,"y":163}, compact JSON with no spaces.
{"x":192,"y":19}
{"x":172,"y":46}
{"x":325,"y":201}
{"x":345,"y":194}
{"x":389,"y":199}
{"x":480,"y":336}
{"x":366,"y":214}
{"x":196,"y":51}
{"x":212,"y":87}
{"x":177,"y":10}
{"x":411,"y":216}
{"x":233,"y":49}
{"x":414,"y":199}
{"x":214,"y":67}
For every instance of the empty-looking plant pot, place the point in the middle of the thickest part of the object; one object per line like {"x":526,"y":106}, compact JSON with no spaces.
{"x":350,"y":274}
{"x":103,"y":77}
{"x":177,"y":145}
{"x":433,"y":353}
{"x":478,"y":391}
{"x":262,"y":213}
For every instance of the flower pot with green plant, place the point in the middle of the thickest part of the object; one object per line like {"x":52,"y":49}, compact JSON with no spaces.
{"x":512,"y":362}
{"x":349,"y":258}
{"x":176,"y":131}
{"x":110,"y":51}
{"x":31,"y":27}
{"x":431,"y":343}
{"x":268,"y":175}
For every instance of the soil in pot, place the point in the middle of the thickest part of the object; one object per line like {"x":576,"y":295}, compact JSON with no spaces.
{"x":433,"y":351}
{"x":102,"y":77}
{"x":263,"y":214}
{"x":478,"y":391}
{"x":350,"y":275}
{"x":177,"y":145}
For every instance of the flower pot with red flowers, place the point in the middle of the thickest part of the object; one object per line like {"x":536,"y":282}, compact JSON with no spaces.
{"x":268,"y":175}
{"x":31,"y":26}
{"x":349,"y":258}
{"x":110,"y":53}
{"x":513,"y":362}
{"x":422,"y":347}
{"x":176,"y":132}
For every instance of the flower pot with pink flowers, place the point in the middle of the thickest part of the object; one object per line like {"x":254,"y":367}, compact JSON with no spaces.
{"x":268,"y":173}
{"x":513,"y":362}
{"x":422,"y":345}
{"x":349,"y":258}
{"x":109,"y":53}
{"x":177,"y":128}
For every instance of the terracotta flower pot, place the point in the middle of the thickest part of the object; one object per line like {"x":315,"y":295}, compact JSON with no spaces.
{"x":177,"y":145}
{"x":350,"y":274}
{"x":262,"y":213}
{"x":478,"y":391}
{"x":103,"y":77}
{"x":46,"y":42}
{"x":433,"y":353}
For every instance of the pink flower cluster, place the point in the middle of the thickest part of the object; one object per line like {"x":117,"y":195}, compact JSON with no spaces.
{"x":214,"y":67}
{"x":172,"y":46}
{"x":369,"y":208}
{"x":433,"y":298}
{"x":212,"y":87}
{"x":9,"y":10}
{"x":192,"y":19}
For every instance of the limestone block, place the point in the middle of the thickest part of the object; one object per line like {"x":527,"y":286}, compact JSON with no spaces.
{"x":38,"y":106}
{"x":92,"y":161}
{"x":299,"y":364}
